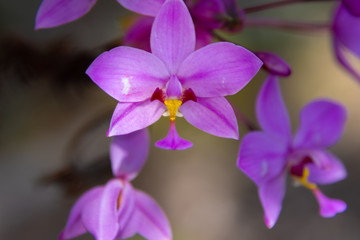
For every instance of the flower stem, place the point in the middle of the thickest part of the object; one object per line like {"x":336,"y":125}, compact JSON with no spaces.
{"x":278,"y":4}
{"x":242,"y":118}
{"x":287,"y":25}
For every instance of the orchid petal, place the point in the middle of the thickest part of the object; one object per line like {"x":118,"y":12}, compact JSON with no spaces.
{"x":346,"y":28}
{"x":138,"y":35}
{"x":100,"y":216}
{"x":321,"y":124}
{"x":173,"y":141}
{"x":261,"y":157}
{"x":271,"y":110}
{"x":274,"y":64}
{"x":340,"y":55}
{"x":127,"y":218}
{"x":125,"y":204}
{"x":203,"y":37}
{"x":128,"y":74}
{"x":173,"y":34}
{"x":218,"y":69}
{"x":329,"y":207}
{"x":326,"y":168}
{"x":128,"y":153}
{"x":353,"y":6}
{"x":53,"y":13}
{"x":131,"y":228}
{"x":148,"y":7}
{"x":129,"y":117}
{"x":212,"y":115}
{"x":153,"y":224}
{"x":74,"y":226}
{"x":207,"y":12}
{"x":271,"y":196}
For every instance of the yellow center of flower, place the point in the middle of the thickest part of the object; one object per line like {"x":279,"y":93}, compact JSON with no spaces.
{"x":173,"y":106}
{"x":304,"y":179}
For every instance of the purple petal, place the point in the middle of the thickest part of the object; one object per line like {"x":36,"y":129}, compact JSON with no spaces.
{"x":212,"y":115}
{"x":144,"y":7}
{"x":74,"y":226}
{"x":218,"y":69}
{"x":207,"y":12}
{"x":271,"y":196}
{"x":321,"y":125}
{"x":100,"y":216}
{"x":326,"y":168}
{"x":203,"y":37}
{"x":353,"y":6}
{"x":271,"y":110}
{"x":129,"y":117}
{"x":138,"y":35}
{"x":173,"y":88}
{"x":329,"y":207}
{"x":173,"y":141}
{"x":125,"y":205}
{"x":153,"y":224}
{"x":128,"y":74}
{"x":346,"y":28}
{"x":131,"y":228}
{"x":261,"y":157}
{"x":340,"y":54}
{"x":128,"y":153}
{"x":53,"y":13}
{"x":274,"y":64}
{"x":173,"y":34}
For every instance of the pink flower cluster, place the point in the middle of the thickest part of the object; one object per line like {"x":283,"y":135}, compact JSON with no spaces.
{"x":176,"y":71}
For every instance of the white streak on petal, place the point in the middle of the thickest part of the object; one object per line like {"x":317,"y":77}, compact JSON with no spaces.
{"x":126,"y":85}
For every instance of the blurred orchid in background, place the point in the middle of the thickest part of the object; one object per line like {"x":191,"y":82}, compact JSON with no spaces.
{"x":174,"y":77}
{"x":346,"y":34}
{"x":117,"y":210}
{"x":266,"y":156}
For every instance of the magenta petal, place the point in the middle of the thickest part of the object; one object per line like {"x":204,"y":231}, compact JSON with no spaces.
{"x":128,"y":153}
{"x":100,"y":216}
{"x":203,"y":37}
{"x":129,"y":117}
{"x":342,"y":58}
{"x":125,"y":205}
{"x":173,"y":34}
{"x":346,"y":28}
{"x":173,"y":141}
{"x":326,"y":168}
{"x":274,"y":64}
{"x":74,"y":226}
{"x":138,"y":35}
{"x":271,"y":196}
{"x":353,"y":6}
{"x":128,"y":74}
{"x":271,"y":110}
{"x":329,"y":207}
{"x":53,"y":13}
{"x":321,"y":124}
{"x":144,"y":7}
{"x":212,"y":115}
{"x":208,"y":12}
{"x":153,"y":223}
{"x":218,"y":69}
{"x":261,"y":158}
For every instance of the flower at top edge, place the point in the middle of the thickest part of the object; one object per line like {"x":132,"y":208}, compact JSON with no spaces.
{"x":117,"y":210}
{"x":208,"y":15}
{"x":174,"y":80}
{"x":346,"y":34}
{"x":267,"y":156}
